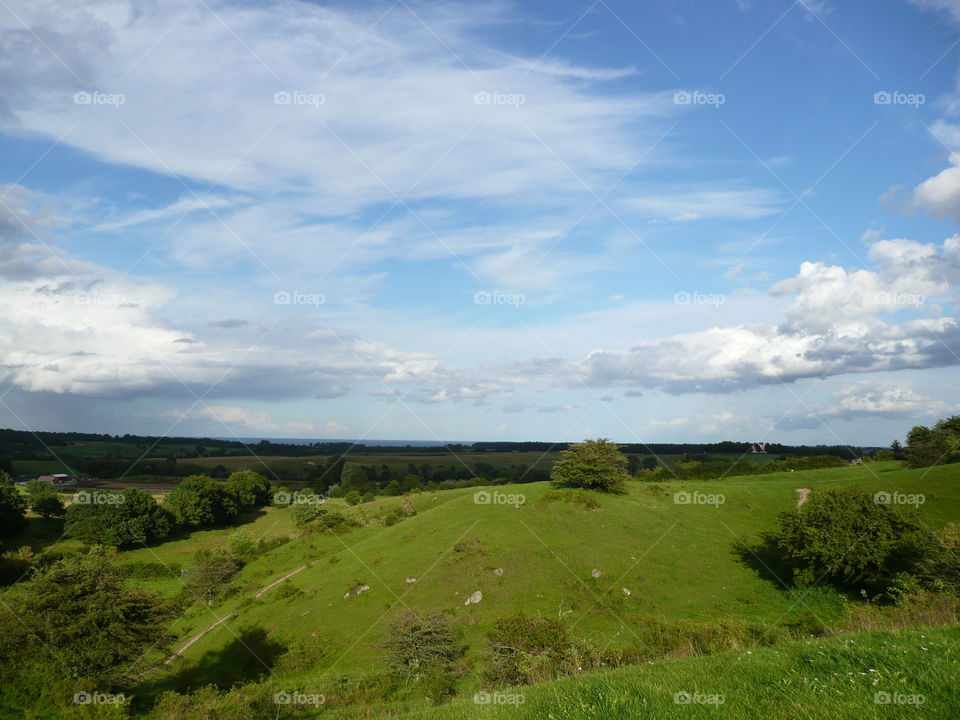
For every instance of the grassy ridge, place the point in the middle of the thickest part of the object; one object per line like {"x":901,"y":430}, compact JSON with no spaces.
{"x":677,"y":561}
{"x":838,"y":678}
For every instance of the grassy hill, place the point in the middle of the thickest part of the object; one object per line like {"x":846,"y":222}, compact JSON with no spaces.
{"x":678,"y":563}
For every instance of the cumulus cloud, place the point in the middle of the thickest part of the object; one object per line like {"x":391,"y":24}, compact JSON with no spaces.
{"x":833,"y":326}
{"x":865,"y":400}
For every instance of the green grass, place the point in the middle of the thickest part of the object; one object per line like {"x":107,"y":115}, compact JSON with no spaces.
{"x":677,"y":561}
{"x":838,"y":678}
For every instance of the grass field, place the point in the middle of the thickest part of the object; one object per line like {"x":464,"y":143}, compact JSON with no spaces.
{"x":678,"y":562}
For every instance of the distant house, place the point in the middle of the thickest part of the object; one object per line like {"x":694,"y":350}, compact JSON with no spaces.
{"x":58,"y":479}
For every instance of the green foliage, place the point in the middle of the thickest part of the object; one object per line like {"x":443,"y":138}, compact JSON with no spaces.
{"x":209,"y":578}
{"x":592,"y":465}
{"x":13,"y":508}
{"x":199,"y":500}
{"x":122,"y":518}
{"x":525,"y":649}
{"x":15,"y":564}
{"x":393,"y":488}
{"x":941,"y":569}
{"x":250,"y":488}
{"x":420,"y":645}
{"x":353,"y":498}
{"x":714,"y":469}
{"x":938,"y":445}
{"x":48,"y":506}
{"x":305,"y":513}
{"x":846,"y":538}
{"x":77,"y":626}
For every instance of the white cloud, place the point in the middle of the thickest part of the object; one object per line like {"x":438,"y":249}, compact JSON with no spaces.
{"x":707,"y":204}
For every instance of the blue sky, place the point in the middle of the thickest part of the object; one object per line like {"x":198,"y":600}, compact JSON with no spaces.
{"x":695,"y":220}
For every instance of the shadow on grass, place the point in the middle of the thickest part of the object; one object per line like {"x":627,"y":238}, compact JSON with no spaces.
{"x":766,"y":559}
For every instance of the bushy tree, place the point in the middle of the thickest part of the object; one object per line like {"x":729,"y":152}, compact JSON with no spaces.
{"x":305,"y":513}
{"x":199,"y":500}
{"x":845,"y":537}
{"x":353,"y":498}
{"x":592,"y":465}
{"x":938,"y":445}
{"x":121,"y":518}
{"x":525,"y":649}
{"x":49,"y":506}
{"x":941,"y":569}
{"x":13,"y":508}
{"x":77,"y":626}
{"x":250,"y":488}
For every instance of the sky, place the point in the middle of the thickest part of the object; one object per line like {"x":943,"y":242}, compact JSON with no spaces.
{"x":691,"y":221}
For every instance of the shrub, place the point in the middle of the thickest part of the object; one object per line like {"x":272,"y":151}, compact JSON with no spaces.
{"x":209,"y":578}
{"x":13,"y":508}
{"x":420,"y":644}
{"x":353,"y":498}
{"x":199,"y":500}
{"x":941,"y":569}
{"x":132,"y":517}
{"x":592,"y":465}
{"x":49,"y":505}
{"x":302,"y":654}
{"x":305,"y":513}
{"x":850,"y":540}
{"x":525,"y":649}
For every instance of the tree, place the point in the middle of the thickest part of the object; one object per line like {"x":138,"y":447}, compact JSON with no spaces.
{"x":123,"y":518}
{"x":353,"y":477}
{"x":305,"y":513}
{"x":393,"y":488}
{"x":938,"y":445}
{"x":199,"y":500}
{"x":251,"y":488}
{"x":13,"y":508}
{"x":210,"y":577}
{"x":633,"y":465}
{"x":592,"y":465}
{"x":49,"y":506}
{"x":77,"y":626}
{"x":353,"y":498}
{"x":847,"y":538}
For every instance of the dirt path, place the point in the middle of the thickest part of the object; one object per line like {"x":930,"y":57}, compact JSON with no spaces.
{"x":277,"y":582}
{"x":804,"y":494}
{"x":180,"y":650}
